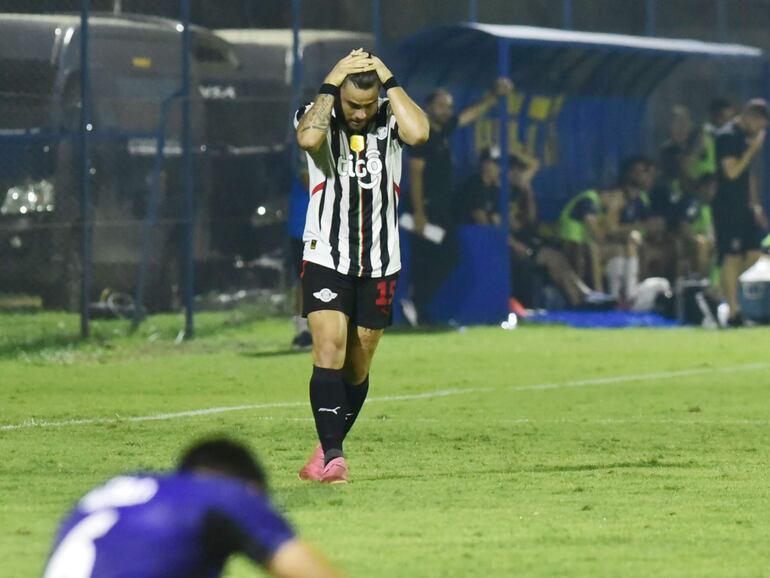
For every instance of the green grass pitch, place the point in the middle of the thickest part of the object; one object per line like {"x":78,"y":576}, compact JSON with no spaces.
{"x":543,"y":451}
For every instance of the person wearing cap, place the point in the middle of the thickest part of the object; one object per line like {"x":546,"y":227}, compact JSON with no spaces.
{"x":478,"y":200}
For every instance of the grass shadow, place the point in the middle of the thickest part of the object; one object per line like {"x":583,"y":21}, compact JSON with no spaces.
{"x":278,"y":353}
{"x":420,"y":329}
{"x":538,"y":469}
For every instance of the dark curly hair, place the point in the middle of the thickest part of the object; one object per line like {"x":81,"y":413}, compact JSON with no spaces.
{"x":364,"y":80}
{"x":224,"y":456}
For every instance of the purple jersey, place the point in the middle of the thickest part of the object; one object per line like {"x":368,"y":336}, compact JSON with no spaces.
{"x":165,"y":526}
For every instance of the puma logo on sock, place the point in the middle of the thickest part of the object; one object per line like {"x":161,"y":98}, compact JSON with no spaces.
{"x":330,"y":410}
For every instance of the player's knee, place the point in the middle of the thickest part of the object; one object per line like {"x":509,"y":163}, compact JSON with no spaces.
{"x":354,"y":374}
{"x":329,"y":353}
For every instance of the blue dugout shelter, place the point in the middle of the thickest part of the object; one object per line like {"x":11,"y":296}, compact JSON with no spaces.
{"x":580,"y":106}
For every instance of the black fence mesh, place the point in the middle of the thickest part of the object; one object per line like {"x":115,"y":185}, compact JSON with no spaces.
{"x":137,"y":175}
{"x":241,"y":100}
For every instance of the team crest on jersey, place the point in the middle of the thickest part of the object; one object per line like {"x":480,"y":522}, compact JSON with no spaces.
{"x":382,"y":133}
{"x":370,"y":167}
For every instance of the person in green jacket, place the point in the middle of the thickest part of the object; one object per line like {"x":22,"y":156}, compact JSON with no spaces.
{"x":580,"y":230}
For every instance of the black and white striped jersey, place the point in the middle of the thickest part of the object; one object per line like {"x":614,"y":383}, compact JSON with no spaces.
{"x":352,"y":219}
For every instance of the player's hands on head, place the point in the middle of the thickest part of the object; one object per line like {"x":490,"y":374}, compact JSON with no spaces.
{"x":383,"y":72}
{"x":356,"y":61}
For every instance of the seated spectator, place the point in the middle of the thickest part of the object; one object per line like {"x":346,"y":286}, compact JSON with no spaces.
{"x":687,"y":240}
{"x":580,"y":228}
{"x":627,"y":220}
{"x":696,"y":228}
{"x":602,"y":230}
{"x":479,"y":197}
{"x":672,"y":185}
{"x":530,"y":253}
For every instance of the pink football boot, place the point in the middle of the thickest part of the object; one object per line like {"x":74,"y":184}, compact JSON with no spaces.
{"x":335,"y":472}
{"x":314,"y":468}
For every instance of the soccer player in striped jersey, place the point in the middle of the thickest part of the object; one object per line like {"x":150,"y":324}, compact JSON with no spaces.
{"x":353,"y":140}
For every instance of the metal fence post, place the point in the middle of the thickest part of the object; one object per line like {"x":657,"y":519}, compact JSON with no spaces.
{"x":650,"y":17}
{"x":189,"y":245}
{"x":721,"y":6}
{"x":296,"y":66}
{"x":151,"y":218}
{"x":766,"y":176}
{"x":473,"y":10}
{"x":85,"y":173}
{"x":504,"y":71}
{"x":377,"y":26}
{"x":566,"y":14}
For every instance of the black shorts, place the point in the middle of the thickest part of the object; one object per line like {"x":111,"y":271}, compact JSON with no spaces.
{"x":367,"y":301}
{"x":736,"y":232}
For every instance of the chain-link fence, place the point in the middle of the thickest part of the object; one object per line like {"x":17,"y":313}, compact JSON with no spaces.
{"x":140,"y":178}
{"x":95,"y":186}
{"x":146,"y":226}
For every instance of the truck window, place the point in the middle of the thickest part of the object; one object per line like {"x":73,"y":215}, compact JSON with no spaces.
{"x":25,"y":94}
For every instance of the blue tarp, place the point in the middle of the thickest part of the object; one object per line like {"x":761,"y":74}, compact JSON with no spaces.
{"x":602,"y":319}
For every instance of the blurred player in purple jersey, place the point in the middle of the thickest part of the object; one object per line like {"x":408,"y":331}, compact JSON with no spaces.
{"x":182,"y":524}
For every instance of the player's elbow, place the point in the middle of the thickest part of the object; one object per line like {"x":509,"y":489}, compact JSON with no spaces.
{"x":308,"y":142}
{"x":423,"y":137}
{"x":419,"y":135}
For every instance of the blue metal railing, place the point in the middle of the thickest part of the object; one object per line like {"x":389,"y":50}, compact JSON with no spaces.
{"x":189,"y":328}
{"x":151,"y":216}
{"x":85,"y":173}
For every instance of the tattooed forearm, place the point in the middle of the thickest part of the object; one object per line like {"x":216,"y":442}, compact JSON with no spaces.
{"x":318,"y":117}
{"x":323,"y":127}
{"x":314,"y":124}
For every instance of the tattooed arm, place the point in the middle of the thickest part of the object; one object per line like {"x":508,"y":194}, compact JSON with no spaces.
{"x":314,"y":124}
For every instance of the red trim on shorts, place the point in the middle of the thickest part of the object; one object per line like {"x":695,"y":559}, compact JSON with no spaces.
{"x":397,"y":189}
{"x":302,"y":271}
{"x":319,"y":187}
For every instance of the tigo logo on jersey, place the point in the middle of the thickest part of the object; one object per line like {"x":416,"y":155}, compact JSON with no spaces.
{"x":325,"y":295}
{"x":360,"y":168}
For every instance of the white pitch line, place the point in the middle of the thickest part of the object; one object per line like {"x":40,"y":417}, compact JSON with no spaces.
{"x":642,"y":377}
{"x":32,"y":423}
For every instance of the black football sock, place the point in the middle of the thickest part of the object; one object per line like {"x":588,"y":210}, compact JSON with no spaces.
{"x":327,"y":398}
{"x":356,"y":396}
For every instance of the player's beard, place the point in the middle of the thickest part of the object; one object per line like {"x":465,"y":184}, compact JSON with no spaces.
{"x":360,"y":129}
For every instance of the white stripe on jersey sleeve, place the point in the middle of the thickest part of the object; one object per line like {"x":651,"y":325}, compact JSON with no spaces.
{"x":302,"y":110}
